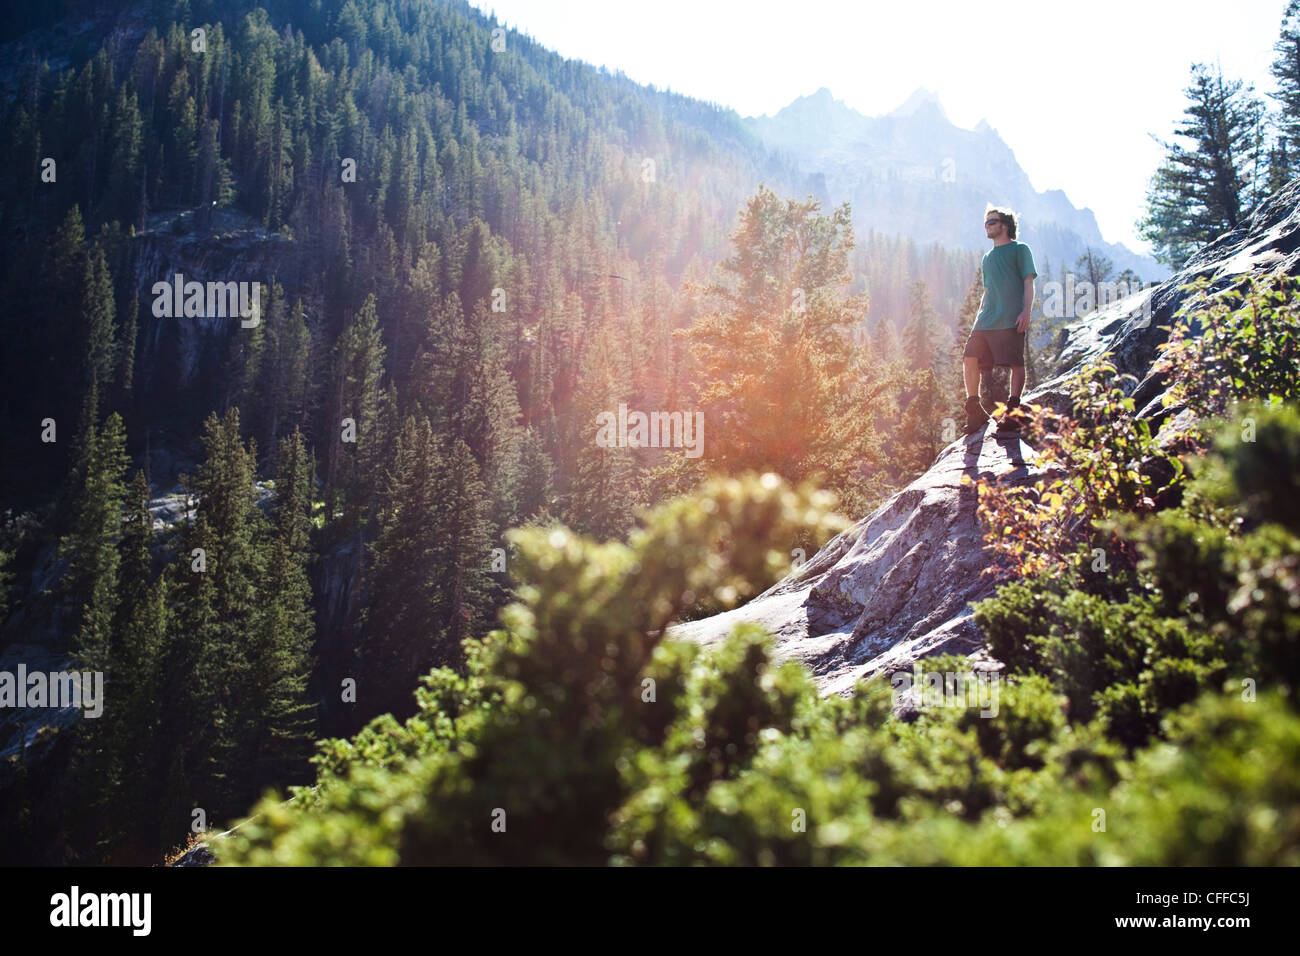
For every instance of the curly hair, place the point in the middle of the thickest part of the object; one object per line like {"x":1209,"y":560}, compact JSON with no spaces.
{"x":1006,"y":215}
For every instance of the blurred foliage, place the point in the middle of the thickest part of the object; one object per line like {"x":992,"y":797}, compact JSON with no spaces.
{"x":1159,"y":730}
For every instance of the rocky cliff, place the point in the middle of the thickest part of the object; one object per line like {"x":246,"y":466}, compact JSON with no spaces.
{"x":898,"y":585}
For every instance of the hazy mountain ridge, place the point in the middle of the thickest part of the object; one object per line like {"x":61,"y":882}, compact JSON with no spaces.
{"x":912,"y":172}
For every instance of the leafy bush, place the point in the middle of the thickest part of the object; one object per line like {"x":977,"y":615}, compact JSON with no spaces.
{"x":1093,"y":463}
{"x":1123,"y":733}
{"x":1238,"y":344}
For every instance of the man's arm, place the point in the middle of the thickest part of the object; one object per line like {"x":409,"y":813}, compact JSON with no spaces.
{"x":1022,"y":322}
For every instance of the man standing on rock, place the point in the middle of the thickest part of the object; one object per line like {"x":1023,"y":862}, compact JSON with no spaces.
{"x":1002,"y":325}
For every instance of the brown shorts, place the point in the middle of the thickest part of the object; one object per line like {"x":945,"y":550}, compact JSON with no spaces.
{"x":996,"y":347}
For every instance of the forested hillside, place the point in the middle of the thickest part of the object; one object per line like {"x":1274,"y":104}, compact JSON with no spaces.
{"x":384,"y":392}
{"x":461,"y":249}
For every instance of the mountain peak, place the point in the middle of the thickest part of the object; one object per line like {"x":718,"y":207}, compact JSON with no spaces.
{"x":823,"y":100}
{"x":921,"y":100}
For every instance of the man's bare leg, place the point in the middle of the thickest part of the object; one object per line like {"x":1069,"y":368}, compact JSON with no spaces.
{"x":976,"y":416}
{"x":970,"y":373}
{"x":1017,"y":379}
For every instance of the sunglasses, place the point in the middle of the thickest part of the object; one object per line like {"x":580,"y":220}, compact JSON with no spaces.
{"x":991,"y":222}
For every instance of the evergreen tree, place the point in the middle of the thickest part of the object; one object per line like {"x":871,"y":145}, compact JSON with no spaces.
{"x":1281,"y":165}
{"x":126,"y":346}
{"x":276,"y":719}
{"x":429,"y":578}
{"x":357,"y":390}
{"x":90,"y":548}
{"x":489,"y":422}
{"x":215,"y":594}
{"x":1201,"y":192}
{"x":919,"y":334}
{"x":246,"y":351}
{"x":1284,"y":164}
{"x":133,"y":788}
{"x":1095,"y":268}
{"x":966,"y":317}
{"x":284,"y":371}
{"x":886,"y":344}
{"x":99,"y":333}
{"x":536,"y":469}
{"x":124,"y":177}
{"x":92,"y":579}
{"x":464,"y":540}
{"x":774,"y":357}
{"x":920,"y":434}
{"x":602,"y":495}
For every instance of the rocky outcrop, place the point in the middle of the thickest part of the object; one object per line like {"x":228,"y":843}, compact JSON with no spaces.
{"x":899,"y":585}
{"x":895,"y":587}
{"x":1268,"y":243}
{"x":232,"y":247}
{"x":26,"y":730}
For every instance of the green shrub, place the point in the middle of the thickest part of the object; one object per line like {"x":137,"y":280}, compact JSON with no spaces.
{"x":1123,"y":732}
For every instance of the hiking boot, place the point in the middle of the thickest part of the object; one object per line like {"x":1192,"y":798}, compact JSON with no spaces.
{"x":1013,"y":422}
{"x":976,"y":416}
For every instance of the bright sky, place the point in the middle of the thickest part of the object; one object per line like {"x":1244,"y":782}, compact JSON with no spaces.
{"x":1073,"y":89}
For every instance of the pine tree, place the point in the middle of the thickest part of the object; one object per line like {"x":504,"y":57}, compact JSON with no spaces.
{"x":246,"y":352}
{"x":358,"y":391}
{"x":134,"y":787}
{"x":601,"y":495}
{"x":182,"y":124}
{"x":1281,"y":164}
{"x":92,"y":578}
{"x":1199,"y":193}
{"x":885,"y":342}
{"x":1095,"y":268}
{"x":1284,"y":164}
{"x":62,"y":358}
{"x":216,"y":594}
{"x":464,"y":544}
{"x":91,"y":546}
{"x":489,"y":422}
{"x":98,"y":333}
{"x":277,"y":720}
{"x":124,"y":177}
{"x":429,"y":579}
{"x":536,"y":477}
{"x":920,"y":434}
{"x":283,"y":372}
{"x":440,"y":373}
{"x":775,"y":352}
{"x":966,"y":317}
{"x":126,"y":346}
{"x":919,"y":335}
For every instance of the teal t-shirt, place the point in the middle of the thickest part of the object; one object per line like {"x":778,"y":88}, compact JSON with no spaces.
{"x":1006,"y":267}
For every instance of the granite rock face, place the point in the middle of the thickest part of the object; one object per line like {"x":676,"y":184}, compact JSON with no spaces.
{"x":898,"y":586}
{"x":895,"y":587}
